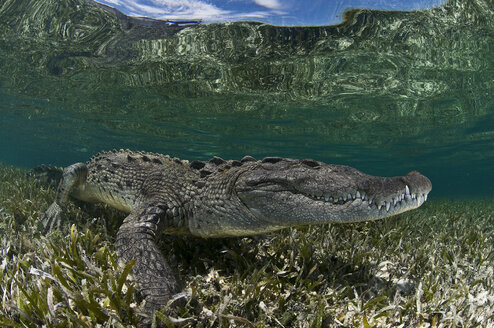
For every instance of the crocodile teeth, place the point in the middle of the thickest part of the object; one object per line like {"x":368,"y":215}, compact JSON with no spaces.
{"x":399,"y":200}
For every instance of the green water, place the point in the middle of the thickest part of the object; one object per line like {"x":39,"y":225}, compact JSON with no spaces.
{"x":384,"y":92}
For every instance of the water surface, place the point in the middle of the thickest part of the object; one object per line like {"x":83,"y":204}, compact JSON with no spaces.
{"x":385,"y":92}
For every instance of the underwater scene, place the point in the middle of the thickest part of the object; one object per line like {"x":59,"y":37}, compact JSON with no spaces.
{"x":384,"y":92}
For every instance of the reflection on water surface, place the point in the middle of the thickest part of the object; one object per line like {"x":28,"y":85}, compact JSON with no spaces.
{"x":384,"y":92}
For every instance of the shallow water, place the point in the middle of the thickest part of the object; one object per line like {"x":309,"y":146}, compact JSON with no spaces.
{"x":385,"y":92}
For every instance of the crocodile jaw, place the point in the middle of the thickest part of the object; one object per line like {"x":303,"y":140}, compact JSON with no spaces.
{"x":287,"y":194}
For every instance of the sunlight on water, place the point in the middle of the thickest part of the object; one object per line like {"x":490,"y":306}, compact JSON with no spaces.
{"x":385,"y":92}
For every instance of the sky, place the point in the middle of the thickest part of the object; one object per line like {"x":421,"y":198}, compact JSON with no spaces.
{"x":276,"y":12}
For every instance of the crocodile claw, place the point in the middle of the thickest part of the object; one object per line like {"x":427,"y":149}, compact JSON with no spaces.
{"x":52,"y":217}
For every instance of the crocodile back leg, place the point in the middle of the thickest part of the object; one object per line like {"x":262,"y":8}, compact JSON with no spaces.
{"x":73,"y":176}
{"x":136,"y":240}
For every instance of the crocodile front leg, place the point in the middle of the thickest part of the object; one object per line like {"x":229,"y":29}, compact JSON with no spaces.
{"x":136,"y":240}
{"x":73,"y":176}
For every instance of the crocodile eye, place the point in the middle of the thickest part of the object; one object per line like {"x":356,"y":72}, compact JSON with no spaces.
{"x":310,"y":163}
{"x":197,"y":165}
{"x":272,"y":160}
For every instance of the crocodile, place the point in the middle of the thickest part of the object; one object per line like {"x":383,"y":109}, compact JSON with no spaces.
{"x":221,"y":198}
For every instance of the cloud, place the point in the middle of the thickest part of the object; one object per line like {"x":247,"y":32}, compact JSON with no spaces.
{"x":189,"y":9}
{"x":113,"y":2}
{"x":271,"y":4}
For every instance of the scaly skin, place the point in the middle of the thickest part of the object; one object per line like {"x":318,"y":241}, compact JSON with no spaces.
{"x":223,"y":198}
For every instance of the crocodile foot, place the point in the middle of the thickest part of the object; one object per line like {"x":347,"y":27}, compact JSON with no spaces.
{"x":52,"y":217}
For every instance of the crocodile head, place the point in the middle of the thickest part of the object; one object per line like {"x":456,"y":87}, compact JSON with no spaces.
{"x":261,"y":196}
{"x":288,"y":192}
